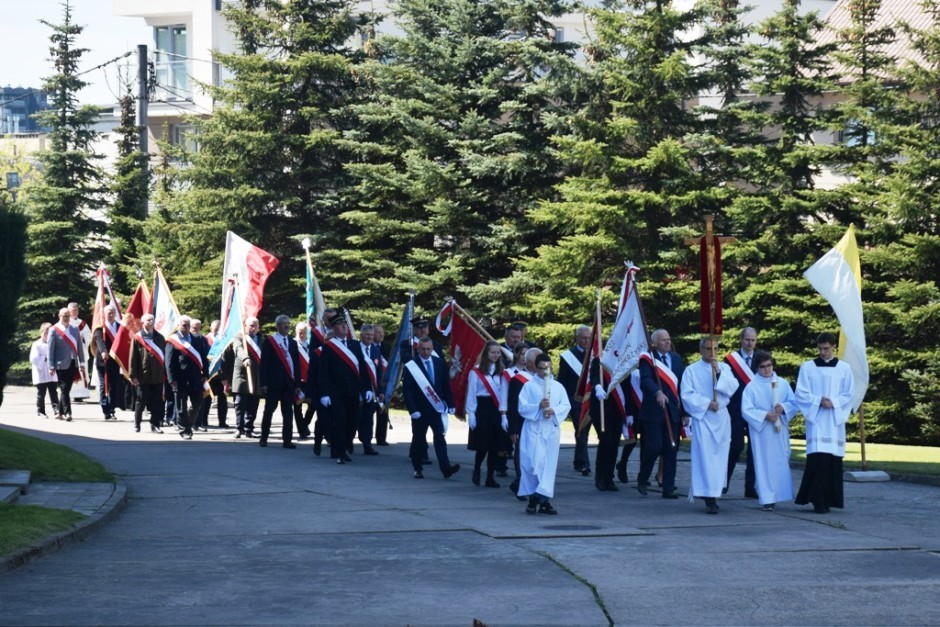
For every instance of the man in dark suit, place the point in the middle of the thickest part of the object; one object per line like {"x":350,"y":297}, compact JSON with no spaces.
{"x":660,"y":385}
{"x":148,"y":373}
{"x":186,"y":374}
{"x":569,"y":373}
{"x":344,"y":384}
{"x":372,"y":355}
{"x":426,"y":388}
{"x":608,"y":438}
{"x":280,"y":380}
{"x":381,"y":417}
{"x":110,"y":381}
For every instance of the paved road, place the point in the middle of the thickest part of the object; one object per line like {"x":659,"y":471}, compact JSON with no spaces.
{"x":219,"y":532}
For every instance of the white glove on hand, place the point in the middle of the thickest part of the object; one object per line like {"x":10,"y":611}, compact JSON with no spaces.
{"x":505,"y":423}
{"x":626,"y":431}
{"x":325,"y":401}
{"x":451,"y":410}
{"x":472,"y":421}
{"x":444,"y":420}
{"x":599,"y":392}
{"x":416,"y":415}
{"x":629,"y":421}
{"x":369,"y":396}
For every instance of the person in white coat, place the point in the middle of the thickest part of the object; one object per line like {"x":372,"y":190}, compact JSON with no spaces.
{"x":768,"y":405}
{"x":706,"y":389}
{"x":543,"y":405}
{"x":824,"y":391}
{"x":44,"y":379}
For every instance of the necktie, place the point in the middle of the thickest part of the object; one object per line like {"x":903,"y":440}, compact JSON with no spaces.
{"x":747,"y":360}
{"x":285,"y":344}
{"x":427,"y":366}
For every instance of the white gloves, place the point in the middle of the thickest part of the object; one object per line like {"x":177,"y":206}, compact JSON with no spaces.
{"x":451,"y":410}
{"x":599,"y":392}
{"x":505,"y":423}
{"x":444,"y":420}
{"x":325,"y":401}
{"x":472,"y":421}
{"x":629,"y":421}
{"x":416,"y":415}
{"x":369,"y":396}
{"x":626,"y":431}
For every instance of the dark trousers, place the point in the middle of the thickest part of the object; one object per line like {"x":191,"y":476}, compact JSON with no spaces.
{"x":66,"y":379}
{"x":110,"y":388}
{"x":322,"y":428}
{"x":655,"y":442}
{"x":149,"y":396}
{"x":419,"y":441}
{"x":608,"y":441}
{"x":246,"y":410}
{"x":381,"y":426}
{"x":366,"y":418}
{"x":188,"y":403}
{"x":47,"y":388}
{"x":581,"y":457}
{"x":169,"y":408}
{"x":221,"y":401}
{"x":303,"y":419}
{"x":285,"y":398}
{"x":738,"y":431}
{"x":344,"y":411}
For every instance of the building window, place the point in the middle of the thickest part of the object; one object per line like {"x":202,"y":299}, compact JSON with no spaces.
{"x":171,"y":64}
{"x":184,"y":135}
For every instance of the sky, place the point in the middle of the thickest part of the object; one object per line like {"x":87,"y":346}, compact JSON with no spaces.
{"x":24,"y":43}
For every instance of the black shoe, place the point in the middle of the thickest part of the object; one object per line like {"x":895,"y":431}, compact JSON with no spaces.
{"x":187,"y":435}
{"x":600,"y":485}
{"x":820,"y":509}
{"x":370,"y":451}
{"x":68,"y":418}
{"x":155,"y":429}
{"x":546,"y":508}
{"x":317,"y":448}
{"x":238,"y":436}
{"x":724,"y":491}
{"x":670,"y":494}
{"x":340,"y":461}
{"x":426,"y":462}
{"x":203,"y":429}
{"x":711,"y":505}
{"x":622,"y":473}
{"x":611,"y":486}
{"x":223,"y":425}
{"x":475,"y":477}
{"x":642,"y":488}
{"x":491,"y":483}
{"x":137,"y":428}
{"x":532,"y":506}
{"x":288,"y":445}
{"x":304,"y":438}
{"x":452,"y":471}
{"x":502,"y":473}
{"x":263,"y":442}
{"x":768,"y":508}
{"x":347,"y":458}
{"x":381,"y":443}
{"x":42,"y":415}
{"x":585,"y":472}
{"x":350,"y":449}
{"x":419,"y":474}
{"x":750,"y":494}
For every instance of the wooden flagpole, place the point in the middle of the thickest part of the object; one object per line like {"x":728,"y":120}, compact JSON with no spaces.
{"x":599,"y":371}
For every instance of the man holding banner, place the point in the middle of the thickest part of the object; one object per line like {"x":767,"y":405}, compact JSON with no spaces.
{"x":428,"y":398}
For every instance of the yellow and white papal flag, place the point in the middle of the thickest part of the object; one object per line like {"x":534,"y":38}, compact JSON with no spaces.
{"x":837,"y":276}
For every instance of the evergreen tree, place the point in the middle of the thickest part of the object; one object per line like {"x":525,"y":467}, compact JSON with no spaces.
{"x":65,"y":210}
{"x":269,"y":163}
{"x":130,"y":189}
{"x":453,"y":149}
{"x":12,"y":274}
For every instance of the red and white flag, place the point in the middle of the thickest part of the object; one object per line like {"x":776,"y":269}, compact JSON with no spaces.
{"x":163,"y":307}
{"x":252,"y":266}
{"x":466,"y":344}
{"x":103,"y":294}
{"x":628,"y":339}
{"x":130,"y":325}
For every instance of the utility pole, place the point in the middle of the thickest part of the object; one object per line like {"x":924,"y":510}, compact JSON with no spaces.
{"x":142,"y":97}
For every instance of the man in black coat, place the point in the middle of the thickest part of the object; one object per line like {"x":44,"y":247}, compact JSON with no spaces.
{"x":660,"y":386}
{"x":570,"y":364}
{"x":280,"y":380}
{"x":186,"y":374}
{"x":344,"y":384}
{"x":428,"y":398}
{"x":110,"y":380}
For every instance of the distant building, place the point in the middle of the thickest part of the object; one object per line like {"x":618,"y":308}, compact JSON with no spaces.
{"x":17,"y":106}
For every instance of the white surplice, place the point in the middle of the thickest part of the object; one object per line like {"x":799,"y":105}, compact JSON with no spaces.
{"x":541,"y":437}
{"x":711,"y":430}
{"x":825,"y":428}
{"x":771,"y":448}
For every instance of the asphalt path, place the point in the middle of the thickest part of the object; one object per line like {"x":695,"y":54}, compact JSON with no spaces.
{"x":224,"y":532}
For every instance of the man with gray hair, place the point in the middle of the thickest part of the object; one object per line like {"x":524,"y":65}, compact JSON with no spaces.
{"x":148,"y":373}
{"x":279,"y":376}
{"x":110,"y":381}
{"x":186,"y":373}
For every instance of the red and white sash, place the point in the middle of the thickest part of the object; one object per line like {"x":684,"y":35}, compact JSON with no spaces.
{"x":253,"y":349}
{"x":425,"y":386}
{"x":667,"y":376}
{"x":740,"y":368}
{"x":344,"y":353}
{"x":187,"y":348}
{"x":489,"y":387}
{"x":303,"y":352}
{"x":370,"y":365}
{"x":284,"y":356}
{"x":63,"y":333}
{"x":151,"y":347}
{"x":573,"y":362}
{"x":524,"y":375}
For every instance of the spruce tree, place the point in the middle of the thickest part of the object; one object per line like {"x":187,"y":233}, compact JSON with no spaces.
{"x":453,"y":149}
{"x":65,"y":210}
{"x":12,"y":274}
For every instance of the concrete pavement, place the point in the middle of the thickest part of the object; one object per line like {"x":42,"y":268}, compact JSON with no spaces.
{"x":218,"y":531}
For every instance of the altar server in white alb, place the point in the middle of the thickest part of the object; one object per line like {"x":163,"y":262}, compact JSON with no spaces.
{"x":706,"y":389}
{"x":824,"y":391}
{"x":543,"y":405}
{"x":768,"y":405}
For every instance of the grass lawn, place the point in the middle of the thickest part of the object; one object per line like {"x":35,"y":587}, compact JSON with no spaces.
{"x":891,"y":458}
{"x":22,"y":525}
{"x":48,"y":461}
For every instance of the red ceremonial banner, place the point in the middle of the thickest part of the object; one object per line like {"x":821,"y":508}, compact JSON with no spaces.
{"x":121,"y":346}
{"x":711,"y":287}
{"x":465,"y":348}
